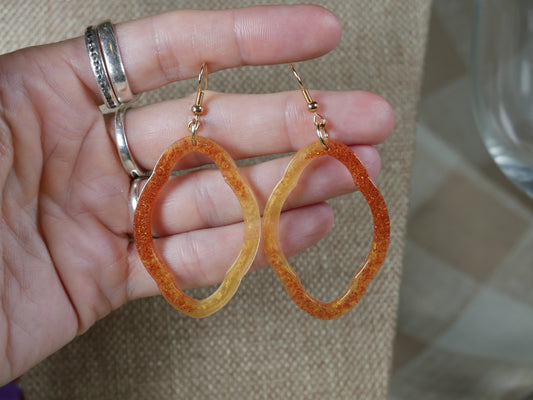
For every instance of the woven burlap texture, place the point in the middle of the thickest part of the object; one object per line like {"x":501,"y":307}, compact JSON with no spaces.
{"x":261,"y":346}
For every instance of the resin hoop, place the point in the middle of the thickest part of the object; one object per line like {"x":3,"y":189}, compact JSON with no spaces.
{"x":373,"y":261}
{"x":144,"y":241}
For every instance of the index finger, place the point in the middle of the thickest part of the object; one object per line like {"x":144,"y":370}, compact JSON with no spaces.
{"x":172,"y":46}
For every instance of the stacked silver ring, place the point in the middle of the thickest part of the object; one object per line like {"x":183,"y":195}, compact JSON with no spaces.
{"x":108,"y":69}
{"x":135,"y":172}
{"x":107,"y":65}
{"x":123,"y":149}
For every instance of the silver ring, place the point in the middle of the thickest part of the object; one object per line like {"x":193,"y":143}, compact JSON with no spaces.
{"x":99,"y":69}
{"x":123,"y":149}
{"x":135,"y":193}
{"x":113,"y":62}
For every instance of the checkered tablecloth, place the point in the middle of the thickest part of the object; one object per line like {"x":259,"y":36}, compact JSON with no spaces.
{"x":465,"y":327}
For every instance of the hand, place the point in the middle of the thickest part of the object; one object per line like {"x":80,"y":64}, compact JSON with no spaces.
{"x":67,"y":259}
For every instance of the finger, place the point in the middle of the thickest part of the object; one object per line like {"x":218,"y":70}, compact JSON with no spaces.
{"x":172,"y":46}
{"x":254,"y":125}
{"x":202,"y":199}
{"x":201,"y":258}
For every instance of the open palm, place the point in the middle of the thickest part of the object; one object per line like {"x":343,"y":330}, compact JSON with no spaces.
{"x":67,"y":257}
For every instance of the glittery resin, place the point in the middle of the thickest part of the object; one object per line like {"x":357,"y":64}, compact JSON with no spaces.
{"x":373,"y":261}
{"x":144,"y":241}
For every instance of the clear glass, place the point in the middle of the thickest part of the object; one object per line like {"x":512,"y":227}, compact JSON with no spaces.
{"x":502,"y":85}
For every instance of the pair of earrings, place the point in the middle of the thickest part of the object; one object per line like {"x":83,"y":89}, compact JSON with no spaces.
{"x":325,"y":146}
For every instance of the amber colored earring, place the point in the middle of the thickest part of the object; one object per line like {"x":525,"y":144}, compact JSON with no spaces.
{"x":370,"y":267}
{"x":142,"y":224}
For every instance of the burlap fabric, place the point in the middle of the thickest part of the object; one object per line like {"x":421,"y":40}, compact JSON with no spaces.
{"x":261,"y":345}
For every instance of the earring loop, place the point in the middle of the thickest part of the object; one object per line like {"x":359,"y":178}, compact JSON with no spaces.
{"x":371,"y":265}
{"x":146,"y":248}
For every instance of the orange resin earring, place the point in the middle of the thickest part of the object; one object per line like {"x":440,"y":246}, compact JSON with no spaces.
{"x":142,"y":224}
{"x":370,"y":267}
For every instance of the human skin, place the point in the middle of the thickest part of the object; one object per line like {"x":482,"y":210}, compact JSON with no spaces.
{"x":65,"y":225}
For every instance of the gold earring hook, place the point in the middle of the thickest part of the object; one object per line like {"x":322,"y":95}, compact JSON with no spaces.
{"x":197,"y":109}
{"x":312,"y":106}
